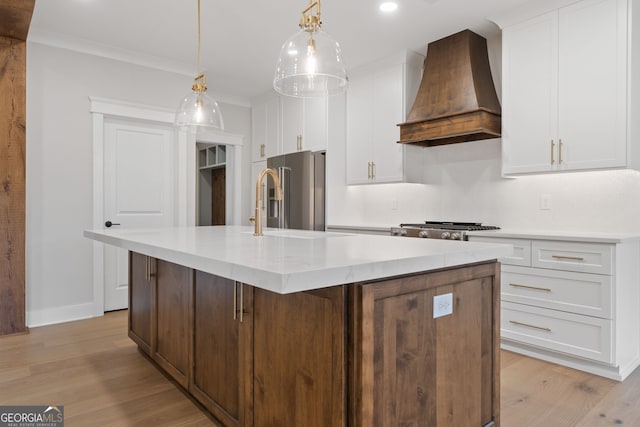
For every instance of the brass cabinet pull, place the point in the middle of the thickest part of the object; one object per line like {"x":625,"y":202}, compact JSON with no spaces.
{"x":368,"y":170}
{"x":553,"y":145}
{"x":261,"y":150}
{"x":373,"y":170}
{"x":148,"y":267}
{"x":574,"y":258}
{"x":235,"y":300}
{"x":241,"y":302}
{"x":560,"y":151}
{"x":530,"y":326}
{"x":515,"y":285}
{"x":299,"y":142}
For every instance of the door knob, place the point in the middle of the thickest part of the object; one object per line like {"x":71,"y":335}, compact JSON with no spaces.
{"x":109,"y":224}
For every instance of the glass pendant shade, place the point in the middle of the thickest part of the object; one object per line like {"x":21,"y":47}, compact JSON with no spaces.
{"x":199,"y":109}
{"x":310,"y":65}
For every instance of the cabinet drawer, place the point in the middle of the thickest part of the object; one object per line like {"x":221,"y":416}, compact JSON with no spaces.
{"x":521,"y":249}
{"x":574,"y":334}
{"x":579,"y":293}
{"x":573,"y":256}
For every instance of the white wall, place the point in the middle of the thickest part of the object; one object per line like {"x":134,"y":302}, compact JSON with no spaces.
{"x":59,"y":166}
{"x":464,"y":183}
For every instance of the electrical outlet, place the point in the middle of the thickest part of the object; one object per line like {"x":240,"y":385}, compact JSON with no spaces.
{"x":545,"y":202}
{"x":394,"y":204}
{"x":442,"y":305}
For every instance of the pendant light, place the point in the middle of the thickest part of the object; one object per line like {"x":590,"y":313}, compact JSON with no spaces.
{"x":310,"y":62}
{"x":198,"y":108}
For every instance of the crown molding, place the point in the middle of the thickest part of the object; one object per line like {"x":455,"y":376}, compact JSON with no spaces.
{"x":110,"y":52}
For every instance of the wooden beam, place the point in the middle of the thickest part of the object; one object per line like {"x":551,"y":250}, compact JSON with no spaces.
{"x":15,"y":17}
{"x":12,"y":185}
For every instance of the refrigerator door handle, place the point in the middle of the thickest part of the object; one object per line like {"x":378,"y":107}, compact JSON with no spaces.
{"x":284,"y":173}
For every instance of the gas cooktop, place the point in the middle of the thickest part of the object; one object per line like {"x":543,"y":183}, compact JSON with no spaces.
{"x":447,"y":225}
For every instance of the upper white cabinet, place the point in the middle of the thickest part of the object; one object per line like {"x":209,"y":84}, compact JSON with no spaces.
{"x":304,"y":124}
{"x":284,"y":124}
{"x":565,"y":89}
{"x":265,"y":128}
{"x":378,"y":98}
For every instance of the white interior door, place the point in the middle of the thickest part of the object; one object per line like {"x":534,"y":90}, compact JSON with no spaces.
{"x":139,"y":192}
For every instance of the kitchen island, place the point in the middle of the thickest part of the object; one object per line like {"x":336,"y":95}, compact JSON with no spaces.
{"x":302,"y":328}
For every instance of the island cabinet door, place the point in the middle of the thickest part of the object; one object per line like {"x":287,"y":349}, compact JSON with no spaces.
{"x":222,"y":346}
{"x":173,"y":319}
{"x":411,"y":369}
{"x":299,"y":359}
{"x":142,"y":284}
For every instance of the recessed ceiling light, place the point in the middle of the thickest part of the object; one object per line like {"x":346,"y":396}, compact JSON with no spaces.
{"x":388,"y":6}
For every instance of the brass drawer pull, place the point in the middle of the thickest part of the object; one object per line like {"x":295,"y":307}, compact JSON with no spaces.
{"x":515,"y":285}
{"x":553,"y":146}
{"x":574,"y":258}
{"x":530,"y":326}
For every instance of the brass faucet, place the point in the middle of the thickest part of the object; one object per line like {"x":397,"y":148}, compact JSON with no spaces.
{"x":257,"y":220}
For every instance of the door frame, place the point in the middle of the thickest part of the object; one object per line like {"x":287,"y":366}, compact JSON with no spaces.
{"x":186,"y":169}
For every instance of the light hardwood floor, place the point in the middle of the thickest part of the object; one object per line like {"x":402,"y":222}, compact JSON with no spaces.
{"x":94,"y":370}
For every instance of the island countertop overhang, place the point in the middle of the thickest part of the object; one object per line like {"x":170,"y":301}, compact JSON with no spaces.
{"x":287,"y":261}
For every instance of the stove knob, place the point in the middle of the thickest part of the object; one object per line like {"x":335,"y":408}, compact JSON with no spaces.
{"x":423,"y":234}
{"x":455,"y":236}
{"x":445,"y":235}
{"x":398,"y":232}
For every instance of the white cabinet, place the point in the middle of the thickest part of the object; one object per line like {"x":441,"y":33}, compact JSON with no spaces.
{"x":292,"y":127}
{"x":378,"y":99}
{"x":304,"y":124}
{"x":565,"y":89}
{"x":284,"y":124}
{"x":316,"y":123}
{"x":572,"y":302}
{"x":265,"y":128}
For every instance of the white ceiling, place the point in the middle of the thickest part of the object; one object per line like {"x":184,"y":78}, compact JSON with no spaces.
{"x":241,"y":39}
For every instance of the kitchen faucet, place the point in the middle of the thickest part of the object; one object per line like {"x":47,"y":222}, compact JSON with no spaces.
{"x":257,"y":219}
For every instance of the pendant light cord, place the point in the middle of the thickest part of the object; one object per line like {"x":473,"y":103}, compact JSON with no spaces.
{"x":200,"y":82}
{"x":198,"y":37}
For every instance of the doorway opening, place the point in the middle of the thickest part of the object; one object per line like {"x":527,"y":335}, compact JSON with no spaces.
{"x":212,"y":184}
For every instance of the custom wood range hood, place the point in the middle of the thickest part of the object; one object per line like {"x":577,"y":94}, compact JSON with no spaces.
{"x":456,"y":101}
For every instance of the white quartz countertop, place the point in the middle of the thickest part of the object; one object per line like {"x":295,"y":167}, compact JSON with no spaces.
{"x":575,"y":236}
{"x":287,"y":261}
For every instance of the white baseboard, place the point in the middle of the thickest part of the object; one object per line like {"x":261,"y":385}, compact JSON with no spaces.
{"x":618,"y":373}
{"x":67,"y":313}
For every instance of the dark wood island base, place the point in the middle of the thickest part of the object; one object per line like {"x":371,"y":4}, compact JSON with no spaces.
{"x":364,"y":354}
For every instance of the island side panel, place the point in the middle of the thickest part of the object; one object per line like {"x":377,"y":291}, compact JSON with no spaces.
{"x":299,"y":358}
{"x":408,"y":368}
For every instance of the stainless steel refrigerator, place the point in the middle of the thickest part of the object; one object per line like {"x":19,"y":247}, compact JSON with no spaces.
{"x":302,"y":176}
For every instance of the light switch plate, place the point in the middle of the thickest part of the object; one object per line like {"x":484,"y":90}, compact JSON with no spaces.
{"x":442,"y":305}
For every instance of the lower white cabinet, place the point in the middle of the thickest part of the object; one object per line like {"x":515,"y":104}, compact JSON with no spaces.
{"x":575,"y":303}
{"x":569,"y":333}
